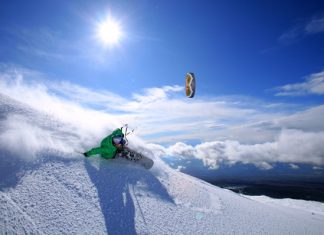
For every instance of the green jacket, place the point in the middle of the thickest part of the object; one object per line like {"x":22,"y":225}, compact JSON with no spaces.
{"x":106,"y":149}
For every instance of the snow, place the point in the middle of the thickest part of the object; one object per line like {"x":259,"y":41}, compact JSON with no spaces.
{"x":312,"y":207}
{"x":49,"y":190}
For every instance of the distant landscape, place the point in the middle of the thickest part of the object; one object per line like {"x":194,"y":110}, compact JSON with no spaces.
{"x":313,"y":191}
{"x":280,"y":182}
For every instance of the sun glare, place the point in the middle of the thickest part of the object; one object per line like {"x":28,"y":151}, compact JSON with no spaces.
{"x":109,"y":32}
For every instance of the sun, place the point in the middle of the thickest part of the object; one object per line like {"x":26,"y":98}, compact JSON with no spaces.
{"x":109,"y":32}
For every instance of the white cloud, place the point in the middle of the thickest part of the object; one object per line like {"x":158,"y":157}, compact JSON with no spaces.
{"x":179,"y":168}
{"x":291,"y":146}
{"x":230,"y":130}
{"x":316,"y":25}
{"x":159,"y":114}
{"x":309,"y":120}
{"x":293,"y":166}
{"x":301,"y":147}
{"x":318,"y":168}
{"x":303,"y":29}
{"x":155,"y":94}
{"x":291,"y":35}
{"x":314,"y":84}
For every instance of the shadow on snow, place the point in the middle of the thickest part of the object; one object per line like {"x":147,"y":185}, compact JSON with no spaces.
{"x":115,"y":185}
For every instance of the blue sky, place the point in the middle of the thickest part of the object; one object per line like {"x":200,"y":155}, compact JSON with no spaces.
{"x":233,"y":47}
{"x":258,"y":64}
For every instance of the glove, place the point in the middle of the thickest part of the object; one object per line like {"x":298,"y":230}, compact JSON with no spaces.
{"x":85,"y":154}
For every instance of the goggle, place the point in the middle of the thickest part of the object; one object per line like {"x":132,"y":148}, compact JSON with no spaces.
{"x":118,"y":139}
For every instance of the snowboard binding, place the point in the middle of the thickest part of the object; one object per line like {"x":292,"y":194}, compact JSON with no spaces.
{"x":130,"y":155}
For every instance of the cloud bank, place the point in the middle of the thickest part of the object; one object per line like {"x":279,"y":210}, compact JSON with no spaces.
{"x":226,"y":130}
{"x":291,"y":146}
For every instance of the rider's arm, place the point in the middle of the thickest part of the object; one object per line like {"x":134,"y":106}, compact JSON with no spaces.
{"x":98,"y":150}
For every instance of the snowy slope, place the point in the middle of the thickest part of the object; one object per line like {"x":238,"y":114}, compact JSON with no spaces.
{"x":49,"y":189}
{"x":308,"y":206}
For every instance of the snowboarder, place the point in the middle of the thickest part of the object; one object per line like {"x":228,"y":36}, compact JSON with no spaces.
{"x":109,"y":146}
{"x":115,"y":145}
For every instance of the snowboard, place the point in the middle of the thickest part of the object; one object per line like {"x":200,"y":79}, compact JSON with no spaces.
{"x":136,"y":158}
